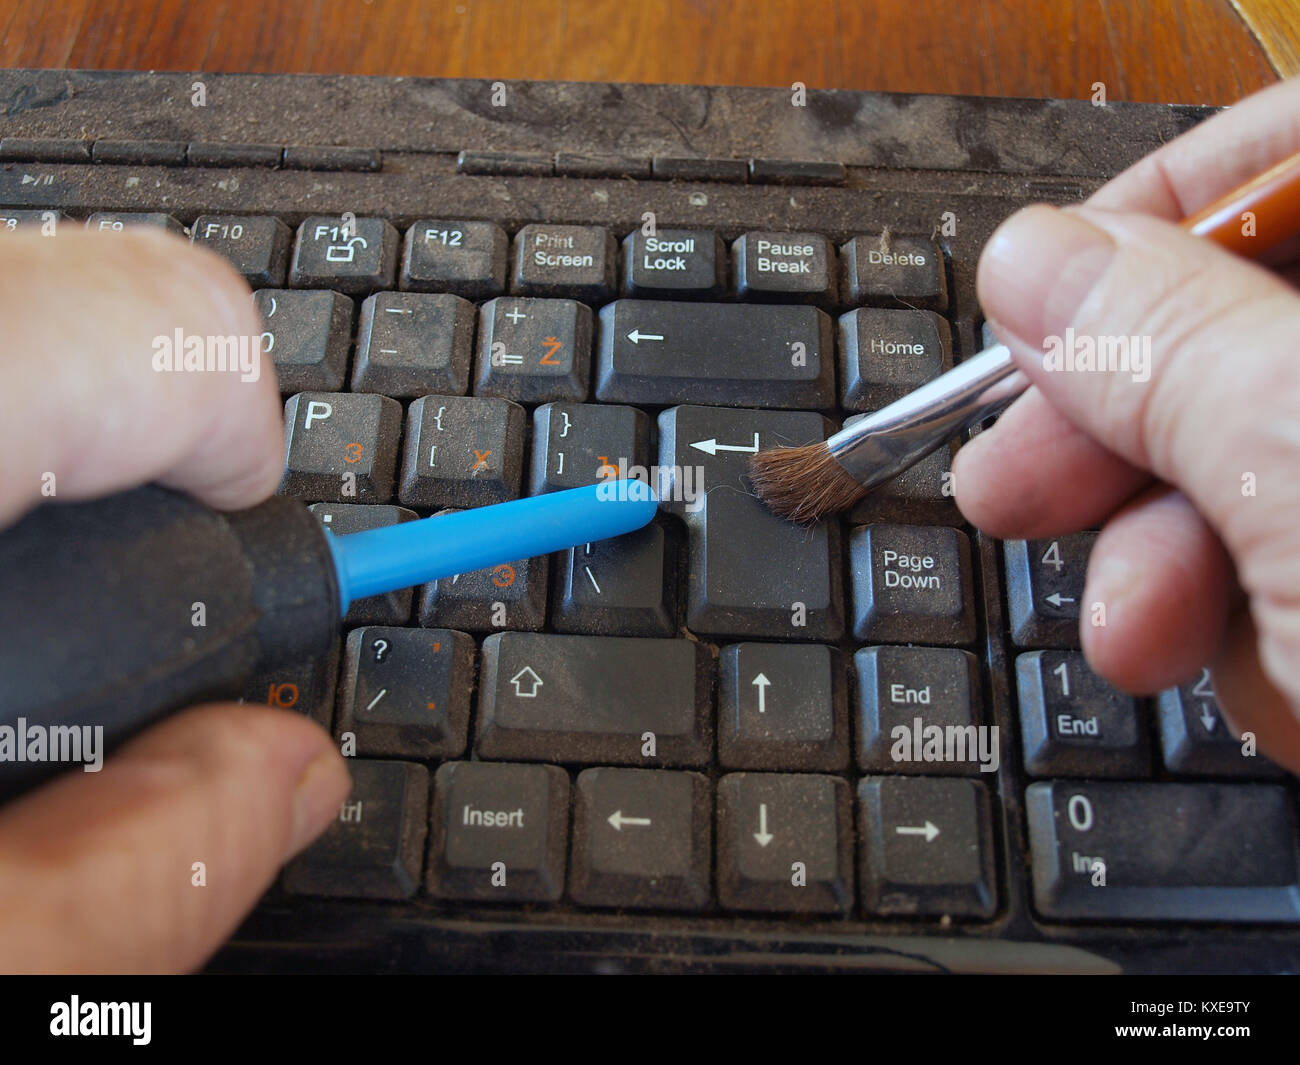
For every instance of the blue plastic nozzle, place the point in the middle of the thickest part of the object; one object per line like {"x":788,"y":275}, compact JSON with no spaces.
{"x":400,"y":556}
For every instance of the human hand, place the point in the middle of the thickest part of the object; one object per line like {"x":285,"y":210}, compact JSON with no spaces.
{"x":96,"y":868}
{"x":1193,"y":475}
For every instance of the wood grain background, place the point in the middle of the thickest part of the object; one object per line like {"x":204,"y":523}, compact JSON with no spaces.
{"x":1189,"y":51}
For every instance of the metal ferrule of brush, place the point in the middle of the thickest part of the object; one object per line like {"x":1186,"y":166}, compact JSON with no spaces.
{"x":883,"y":444}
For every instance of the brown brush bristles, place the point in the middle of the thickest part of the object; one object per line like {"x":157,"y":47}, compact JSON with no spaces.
{"x":803,"y":483}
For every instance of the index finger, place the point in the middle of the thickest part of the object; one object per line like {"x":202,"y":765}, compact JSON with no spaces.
{"x":91,"y":405}
{"x":1213,"y":158}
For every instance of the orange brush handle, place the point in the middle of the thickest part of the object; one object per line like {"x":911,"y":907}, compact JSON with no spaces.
{"x":1273,"y":198}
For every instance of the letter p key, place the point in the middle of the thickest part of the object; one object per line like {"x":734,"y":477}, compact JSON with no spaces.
{"x":316,"y":411}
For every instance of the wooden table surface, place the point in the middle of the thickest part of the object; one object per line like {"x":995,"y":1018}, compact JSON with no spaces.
{"x":1187,"y":51}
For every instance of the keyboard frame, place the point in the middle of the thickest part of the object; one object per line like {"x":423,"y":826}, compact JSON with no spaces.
{"x":905,"y":155}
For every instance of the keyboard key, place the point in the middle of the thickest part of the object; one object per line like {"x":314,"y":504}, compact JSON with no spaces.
{"x":750,"y":573}
{"x":534,"y":351}
{"x":464,"y":258}
{"x":305,"y":686}
{"x":922,"y":494}
{"x":785,"y":843}
{"x":1045,"y":587}
{"x":1196,"y":740}
{"x":500,"y":832}
{"x":575,"y":261}
{"x":257,"y":246}
{"x":1075,"y":724}
{"x":509,"y":596}
{"x":576,"y":444}
{"x":919,"y":710}
{"x":352,"y":255}
{"x":885,"y":354}
{"x":405,"y":693}
{"x":642,"y":838}
{"x":681,"y":263}
{"x":116,"y":221}
{"x":699,"y":168}
{"x":795,"y":172}
{"x":331,"y":157}
{"x":1164,"y":852}
{"x":391,"y":608}
{"x":412,"y":343}
{"x":307,"y":336}
{"x":626,"y":586}
{"x":927,"y":847}
{"x":565,"y":698}
{"x":785,"y":267}
{"x":893,"y":270}
{"x":654,"y":351}
{"x":781,"y":706}
{"x":911,"y":584}
{"x":462,"y":452}
{"x":342,"y":447}
{"x":375,"y":847}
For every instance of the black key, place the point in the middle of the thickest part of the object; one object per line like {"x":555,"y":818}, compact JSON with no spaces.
{"x":347,"y":254}
{"x":642,"y":838}
{"x":927,"y":847}
{"x":411,"y":344}
{"x":795,"y":172}
{"x":911,"y":584}
{"x":683,"y":263}
{"x":923,"y":493}
{"x":391,"y":608}
{"x":342,"y":447}
{"x":500,"y":832}
{"x":781,"y":706}
{"x":580,"y":699}
{"x":116,"y":221}
{"x":462,"y":452}
{"x":464,"y":258}
{"x":652,"y":351}
{"x":750,"y":573}
{"x":885,"y":354}
{"x":1075,"y":724}
{"x":224,"y":154}
{"x":592,"y":165}
{"x":139,"y":152}
{"x":508,"y":596}
{"x":405,"y":693}
{"x":332,"y":157}
{"x":1196,"y":740}
{"x":45,"y":150}
{"x":307,"y":336}
{"x":785,"y":843}
{"x":1164,"y":852}
{"x":47,"y":221}
{"x":699,"y":168}
{"x":919,"y":710}
{"x":374,"y":849}
{"x":304,"y":686}
{"x":576,"y":261}
{"x":257,"y":245}
{"x":893,"y":270}
{"x":519,"y":164}
{"x":576,"y":444}
{"x":785,"y":267}
{"x":1044,"y":588}
{"x":533,"y":350}
{"x":627,"y":586}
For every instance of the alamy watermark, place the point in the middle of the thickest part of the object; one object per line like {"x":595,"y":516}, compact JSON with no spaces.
{"x":180,"y":353}
{"x":681,"y":484}
{"x":919,"y":742}
{"x":21,"y":742}
{"x":1085,"y":353}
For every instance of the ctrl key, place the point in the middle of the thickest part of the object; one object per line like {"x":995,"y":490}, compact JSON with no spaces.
{"x":375,"y":846}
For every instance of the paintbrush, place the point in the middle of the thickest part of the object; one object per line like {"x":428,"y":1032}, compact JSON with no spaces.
{"x":806,"y":483}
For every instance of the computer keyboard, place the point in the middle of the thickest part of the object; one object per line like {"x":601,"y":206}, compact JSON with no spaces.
{"x":724,"y":741}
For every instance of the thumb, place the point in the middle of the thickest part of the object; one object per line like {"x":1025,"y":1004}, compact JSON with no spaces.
{"x":149,"y":864}
{"x":1216,"y":413}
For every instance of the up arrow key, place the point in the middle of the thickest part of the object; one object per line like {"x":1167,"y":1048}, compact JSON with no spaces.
{"x":636,"y":336}
{"x":761,"y":682}
{"x":526,"y":676}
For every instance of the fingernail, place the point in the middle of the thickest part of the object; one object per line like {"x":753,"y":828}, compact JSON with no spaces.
{"x":319,"y":793}
{"x":1038,"y":268}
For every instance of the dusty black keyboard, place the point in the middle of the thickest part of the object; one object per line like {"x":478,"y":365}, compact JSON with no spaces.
{"x":722,"y":741}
